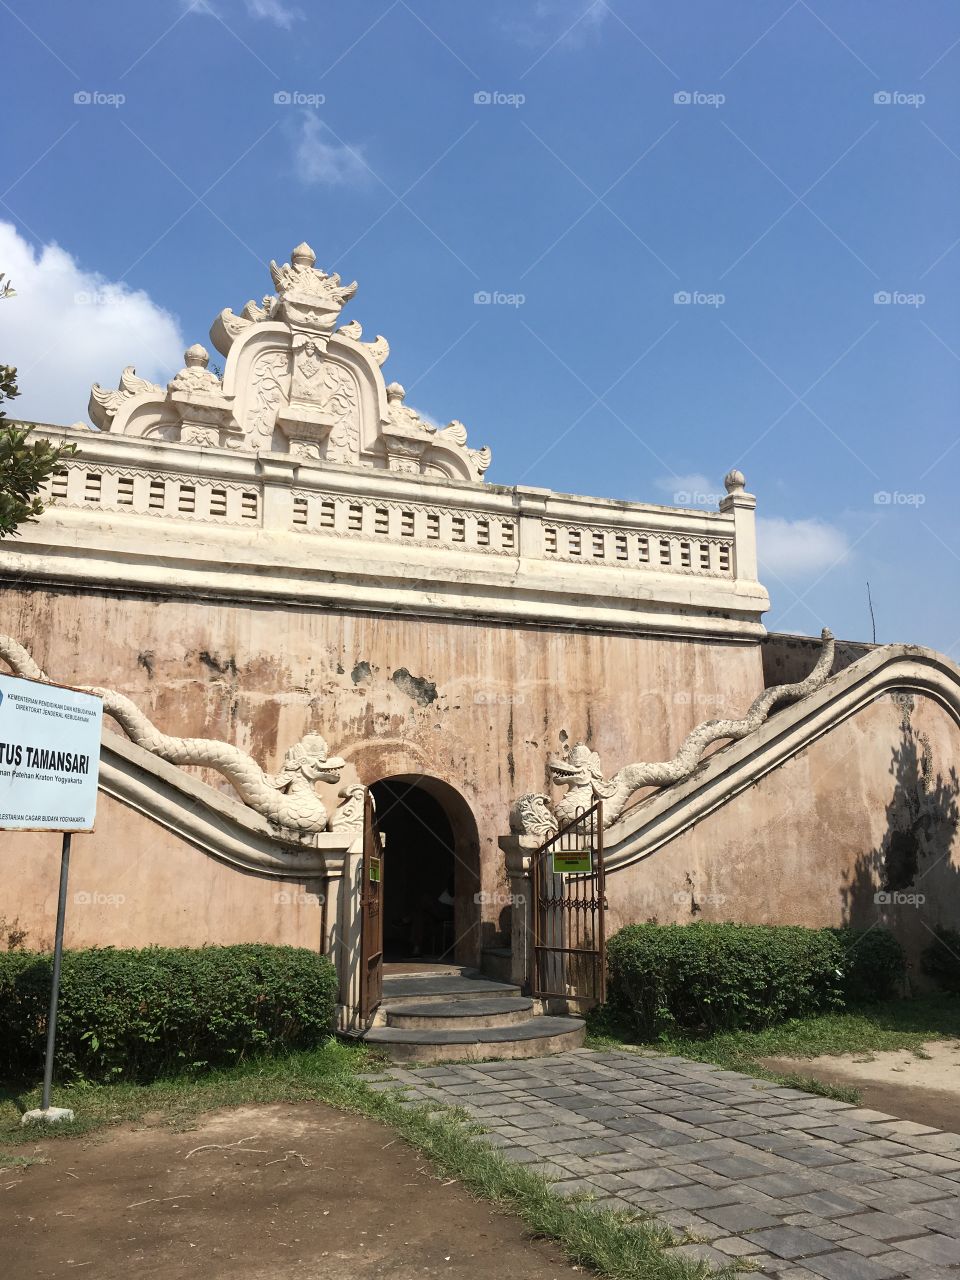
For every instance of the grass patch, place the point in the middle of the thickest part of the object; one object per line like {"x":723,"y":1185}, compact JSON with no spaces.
{"x":619,"y":1246}
{"x":892,"y":1024}
{"x":327,"y":1074}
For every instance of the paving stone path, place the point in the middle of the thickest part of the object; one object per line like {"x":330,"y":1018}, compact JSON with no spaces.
{"x":806,"y":1188}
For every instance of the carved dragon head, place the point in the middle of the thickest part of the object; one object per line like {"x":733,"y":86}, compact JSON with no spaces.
{"x":310,"y":758}
{"x":578,"y":767}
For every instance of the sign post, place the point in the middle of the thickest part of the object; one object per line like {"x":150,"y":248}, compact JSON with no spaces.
{"x":49,"y":771}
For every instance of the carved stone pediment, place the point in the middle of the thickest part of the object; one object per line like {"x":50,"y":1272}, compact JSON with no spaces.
{"x":295,"y":381}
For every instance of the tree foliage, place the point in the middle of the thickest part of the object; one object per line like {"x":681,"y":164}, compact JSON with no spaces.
{"x":24,"y":464}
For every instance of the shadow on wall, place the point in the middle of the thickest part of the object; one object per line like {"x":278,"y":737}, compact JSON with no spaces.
{"x":909,"y":883}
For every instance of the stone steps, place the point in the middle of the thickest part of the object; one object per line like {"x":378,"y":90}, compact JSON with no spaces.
{"x":420,"y":988}
{"x":531,"y":1039}
{"x":460,"y":1015}
{"x":465,"y":1017}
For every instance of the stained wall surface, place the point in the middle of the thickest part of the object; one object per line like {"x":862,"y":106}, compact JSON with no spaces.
{"x":476,"y":706}
{"x":872,"y":806}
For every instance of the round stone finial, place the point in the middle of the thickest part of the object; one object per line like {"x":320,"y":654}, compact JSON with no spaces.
{"x":303,"y":255}
{"x":196,"y":356}
{"x":734,"y":481}
{"x":395,"y":391}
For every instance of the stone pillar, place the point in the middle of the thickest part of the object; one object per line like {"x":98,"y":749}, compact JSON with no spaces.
{"x":344,"y":924}
{"x":279,"y":473}
{"x":517,"y":850}
{"x":744,"y":506}
{"x":531,"y":507}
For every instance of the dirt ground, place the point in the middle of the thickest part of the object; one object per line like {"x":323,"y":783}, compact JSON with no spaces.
{"x":257,"y":1193}
{"x":926,"y":1090}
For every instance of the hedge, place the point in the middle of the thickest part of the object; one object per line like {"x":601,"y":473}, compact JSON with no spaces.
{"x":941,"y":959}
{"x":707,"y":977}
{"x":138,"y":1015}
{"x":873,"y":964}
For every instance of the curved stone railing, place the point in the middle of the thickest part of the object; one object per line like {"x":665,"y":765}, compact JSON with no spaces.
{"x":212,"y":821}
{"x":662,"y":817}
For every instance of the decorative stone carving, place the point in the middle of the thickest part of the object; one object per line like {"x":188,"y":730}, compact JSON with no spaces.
{"x":324,"y":406}
{"x":287,"y":799}
{"x":531,"y":815}
{"x":206,"y":416}
{"x":579,"y":770}
{"x":378,"y":350}
{"x":271,"y":374}
{"x":294,"y":383}
{"x":348,"y":815}
{"x":308,"y":292}
{"x":104,"y":404}
{"x":406,"y":437}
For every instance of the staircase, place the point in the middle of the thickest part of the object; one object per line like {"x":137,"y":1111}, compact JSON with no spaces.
{"x":461,"y":1016}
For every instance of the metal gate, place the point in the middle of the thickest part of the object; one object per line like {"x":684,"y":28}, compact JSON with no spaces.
{"x":371,"y":915}
{"x":569,"y":944}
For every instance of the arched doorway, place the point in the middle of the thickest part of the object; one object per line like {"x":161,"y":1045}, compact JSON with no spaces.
{"x":431,"y":871}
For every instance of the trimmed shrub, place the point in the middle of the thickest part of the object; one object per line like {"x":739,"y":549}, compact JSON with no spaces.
{"x":873,"y":964}
{"x":137,"y":1015}
{"x":941,"y":960}
{"x":720,"y":977}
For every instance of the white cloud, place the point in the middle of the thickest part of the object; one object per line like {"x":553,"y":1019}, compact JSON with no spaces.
{"x":570,"y":23}
{"x":68,"y":327}
{"x":321,"y":159}
{"x":276,"y":11}
{"x":799,"y":548}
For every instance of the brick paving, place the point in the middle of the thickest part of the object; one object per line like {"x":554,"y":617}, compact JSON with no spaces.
{"x":802,"y":1187}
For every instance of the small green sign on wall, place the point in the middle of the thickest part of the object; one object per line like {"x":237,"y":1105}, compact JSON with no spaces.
{"x":374,"y":870}
{"x":572,"y":862}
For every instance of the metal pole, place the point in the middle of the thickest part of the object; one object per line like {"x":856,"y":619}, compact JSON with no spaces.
{"x":57,"y":957}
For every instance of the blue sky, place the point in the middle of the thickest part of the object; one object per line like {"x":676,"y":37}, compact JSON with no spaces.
{"x":620,"y":155}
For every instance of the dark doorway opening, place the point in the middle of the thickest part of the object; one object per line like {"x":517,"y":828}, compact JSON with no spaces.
{"x":419,"y":873}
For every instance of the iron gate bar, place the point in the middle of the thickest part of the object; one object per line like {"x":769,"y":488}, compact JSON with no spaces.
{"x":371,"y":916}
{"x":569,"y":908}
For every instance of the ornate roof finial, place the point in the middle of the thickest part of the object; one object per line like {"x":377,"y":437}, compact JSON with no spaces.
{"x":196,"y":357}
{"x":395,"y":392}
{"x":303,"y":255}
{"x":734,"y":481}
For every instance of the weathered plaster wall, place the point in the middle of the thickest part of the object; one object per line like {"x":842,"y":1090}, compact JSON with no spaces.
{"x":788,"y":658}
{"x":132,"y":884}
{"x":477,"y":706}
{"x":873,"y":802}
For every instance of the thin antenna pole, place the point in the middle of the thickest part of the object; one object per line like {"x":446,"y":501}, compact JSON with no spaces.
{"x":873,"y":621}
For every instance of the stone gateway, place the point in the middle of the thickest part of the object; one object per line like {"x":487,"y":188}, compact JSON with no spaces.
{"x":289,"y":589}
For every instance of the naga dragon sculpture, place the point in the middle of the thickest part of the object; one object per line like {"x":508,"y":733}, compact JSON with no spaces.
{"x":287,"y":800}
{"x":580,"y":771}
